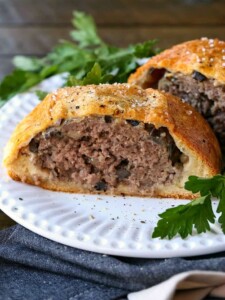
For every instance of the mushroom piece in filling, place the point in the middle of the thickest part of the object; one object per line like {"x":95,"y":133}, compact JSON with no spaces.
{"x":205,"y":95}
{"x":101,"y":152}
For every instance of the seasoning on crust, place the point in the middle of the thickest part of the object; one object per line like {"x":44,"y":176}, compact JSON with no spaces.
{"x":195,"y":72}
{"x":112,"y":139}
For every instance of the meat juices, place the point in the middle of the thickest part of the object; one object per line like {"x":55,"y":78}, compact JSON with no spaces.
{"x":104,"y":152}
{"x":205,"y":95}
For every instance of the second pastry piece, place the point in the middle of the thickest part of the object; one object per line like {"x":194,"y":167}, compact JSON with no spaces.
{"x":195,"y":72}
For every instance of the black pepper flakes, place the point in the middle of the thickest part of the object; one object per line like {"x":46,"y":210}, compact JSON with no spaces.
{"x":77,"y":107}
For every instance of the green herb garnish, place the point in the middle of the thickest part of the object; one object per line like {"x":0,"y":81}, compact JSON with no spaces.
{"x":196,"y":214}
{"x":87,"y":59}
{"x":41,"y":94}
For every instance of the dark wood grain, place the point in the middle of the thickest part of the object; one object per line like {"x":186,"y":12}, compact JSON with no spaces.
{"x":30,"y":40}
{"x":6,"y":66}
{"x":117,"y":12}
{"x":166,"y":36}
{"x":39,"y":40}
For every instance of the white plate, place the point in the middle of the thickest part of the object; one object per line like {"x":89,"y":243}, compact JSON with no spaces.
{"x":106,"y":224}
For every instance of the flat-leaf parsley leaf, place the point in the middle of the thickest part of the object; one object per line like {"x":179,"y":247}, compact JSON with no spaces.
{"x":87,"y":60}
{"x":197,"y":214}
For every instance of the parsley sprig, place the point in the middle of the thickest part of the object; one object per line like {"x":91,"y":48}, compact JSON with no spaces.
{"x":87,"y":59}
{"x":198,"y":213}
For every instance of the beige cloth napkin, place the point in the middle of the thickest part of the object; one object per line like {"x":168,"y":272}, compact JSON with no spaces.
{"x":193,"y":285}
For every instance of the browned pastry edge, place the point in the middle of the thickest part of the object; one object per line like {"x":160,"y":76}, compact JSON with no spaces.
{"x":206,"y":56}
{"x":126,"y":102}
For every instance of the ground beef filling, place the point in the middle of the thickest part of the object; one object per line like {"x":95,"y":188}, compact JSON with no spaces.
{"x":102,"y":152}
{"x":206,"y":95}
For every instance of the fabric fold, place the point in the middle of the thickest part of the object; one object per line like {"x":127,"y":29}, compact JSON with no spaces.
{"x":33,"y":256}
{"x":193,"y":285}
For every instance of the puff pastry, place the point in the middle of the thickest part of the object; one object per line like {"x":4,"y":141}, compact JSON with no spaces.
{"x":112,"y":139}
{"x":195,"y":72}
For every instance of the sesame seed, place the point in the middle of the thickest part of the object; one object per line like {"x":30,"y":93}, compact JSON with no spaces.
{"x":223,"y":57}
{"x":211,"y":59}
{"x":223,"y":65}
{"x":203,"y":49}
{"x":223,"y":50}
{"x":204,"y":38}
{"x":66,"y":93}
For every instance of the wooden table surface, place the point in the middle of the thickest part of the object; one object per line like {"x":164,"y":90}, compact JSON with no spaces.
{"x":32,"y":27}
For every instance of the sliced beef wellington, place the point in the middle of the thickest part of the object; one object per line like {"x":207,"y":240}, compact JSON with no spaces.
{"x":112,"y":139}
{"x":195,"y":72}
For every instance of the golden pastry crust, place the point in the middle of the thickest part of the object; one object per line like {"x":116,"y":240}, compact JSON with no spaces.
{"x":189,"y":130}
{"x":206,"y":56}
